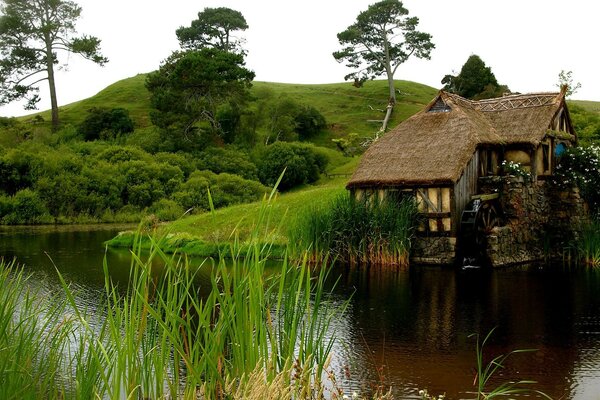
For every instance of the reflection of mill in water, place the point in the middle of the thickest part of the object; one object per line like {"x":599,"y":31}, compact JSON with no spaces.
{"x":478,"y":219}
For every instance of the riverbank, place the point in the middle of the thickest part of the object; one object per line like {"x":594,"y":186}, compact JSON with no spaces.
{"x":213,"y":233}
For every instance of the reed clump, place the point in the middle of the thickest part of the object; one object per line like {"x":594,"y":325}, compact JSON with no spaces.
{"x":588,"y":243}
{"x":356,"y":231}
{"x":166,"y":336}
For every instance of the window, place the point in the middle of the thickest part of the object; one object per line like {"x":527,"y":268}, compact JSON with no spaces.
{"x":546,"y":157}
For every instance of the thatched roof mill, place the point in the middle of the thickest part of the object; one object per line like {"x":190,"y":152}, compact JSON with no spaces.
{"x":440,"y":155}
{"x":435,"y":145}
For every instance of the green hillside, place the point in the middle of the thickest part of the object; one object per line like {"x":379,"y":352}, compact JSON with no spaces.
{"x":347,"y":109}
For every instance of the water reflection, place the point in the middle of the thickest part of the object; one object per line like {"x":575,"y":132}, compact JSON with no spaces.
{"x":413,"y":323}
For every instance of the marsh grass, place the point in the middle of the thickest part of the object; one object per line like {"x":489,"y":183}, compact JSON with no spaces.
{"x":588,"y":244}
{"x":163,"y":337}
{"x":487,"y":371}
{"x":356,"y":231}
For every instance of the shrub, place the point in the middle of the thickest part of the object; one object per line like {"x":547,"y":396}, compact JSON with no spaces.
{"x":226,"y":190}
{"x":117,"y":154}
{"x":302,"y":164}
{"x":166,"y":210}
{"x":102,"y":123}
{"x":218,"y":160}
{"x":581,"y":166}
{"x":309,"y":121}
{"x":27,"y":208}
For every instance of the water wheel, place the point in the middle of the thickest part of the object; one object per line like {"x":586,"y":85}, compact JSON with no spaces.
{"x":478,"y":219}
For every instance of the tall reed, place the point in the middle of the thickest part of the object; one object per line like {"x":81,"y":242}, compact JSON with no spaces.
{"x":356,"y":231}
{"x":166,"y":336}
{"x":588,"y":243}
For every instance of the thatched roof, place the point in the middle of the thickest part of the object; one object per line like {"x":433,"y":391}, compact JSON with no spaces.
{"x":434,"y":145}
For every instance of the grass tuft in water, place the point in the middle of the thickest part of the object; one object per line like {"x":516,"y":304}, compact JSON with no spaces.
{"x":356,"y":231}
{"x":588,"y":244}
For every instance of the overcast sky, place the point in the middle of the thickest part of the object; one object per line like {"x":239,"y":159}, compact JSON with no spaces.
{"x":526,"y":42}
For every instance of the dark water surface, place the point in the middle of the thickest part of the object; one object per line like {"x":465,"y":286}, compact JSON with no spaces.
{"x":408,"y":329}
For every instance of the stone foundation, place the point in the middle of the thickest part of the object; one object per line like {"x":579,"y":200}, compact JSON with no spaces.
{"x":540,"y":219}
{"x":439,"y":250}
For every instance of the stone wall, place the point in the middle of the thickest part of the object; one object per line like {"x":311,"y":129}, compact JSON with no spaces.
{"x":433,"y":250}
{"x":539,"y":219}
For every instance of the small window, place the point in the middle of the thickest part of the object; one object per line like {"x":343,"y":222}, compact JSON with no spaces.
{"x":439,"y":106}
{"x":546,"y":157}
{"x":560,"y":149}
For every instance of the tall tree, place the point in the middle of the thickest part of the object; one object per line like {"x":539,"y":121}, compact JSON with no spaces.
{"x":32,"y":33}
{"x":190,"y":87}
{"x":475,"y":81}
{"x":215,"y":27}
{"x":382,"y":38}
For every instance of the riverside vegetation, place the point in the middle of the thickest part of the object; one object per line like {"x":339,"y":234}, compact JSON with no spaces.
{"x":97,"y":169}
{"x":247,"y":334}
{"x":253,"y":335}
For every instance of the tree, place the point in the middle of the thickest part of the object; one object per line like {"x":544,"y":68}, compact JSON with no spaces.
{"x":475,"y":81}
{"x":214,"y":28}
{"x":382,"y":38}
{"x":566,"y":78}
{"x":32,"y":32}
{"x":189,"y":88}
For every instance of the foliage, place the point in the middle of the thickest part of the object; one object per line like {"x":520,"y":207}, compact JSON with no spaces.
{"x":475,"y":81}
{"x":93,"y":181}
{"x":302,"y":164}
{"x":309,"y":121}
{"x":515,"y":169}
{"x":31,"y":35}
{"x":382,"y":38}
{"x":286,"y":119}
{"x":167,"y":210}
{"x":25,"y":207}
{"x":565,"y":78}
{"x":218,"y":160}
{"x":357,"y":231}
{"x":586,"y":124}
{"x":580,"y":166}
{"x":104,"y":123}
{"x":225,"y":189}
{"x":214,"y":28}
{"x":588,"y":243}
{"x":190,"y":87}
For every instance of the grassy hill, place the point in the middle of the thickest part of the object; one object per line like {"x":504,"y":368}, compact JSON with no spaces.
{"x":347,"y":109}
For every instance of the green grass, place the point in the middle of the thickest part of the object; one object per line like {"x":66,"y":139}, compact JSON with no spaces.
{"x":593,"y":106}
{"x":128,"y":93}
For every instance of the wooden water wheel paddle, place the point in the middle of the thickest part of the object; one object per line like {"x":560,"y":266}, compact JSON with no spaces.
{"x":478,"y":219}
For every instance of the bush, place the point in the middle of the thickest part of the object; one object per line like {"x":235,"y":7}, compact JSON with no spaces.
{"x":218,"y":160}
{"x":117,"y":154}
{"x":302,"y":164}
{"x":309,"y":121}
{"x":102,"y":123}
{"x":580,"y":166}
{"x":225,"y":189}
{"x":27,"y":208}
{"x":166,"y":210}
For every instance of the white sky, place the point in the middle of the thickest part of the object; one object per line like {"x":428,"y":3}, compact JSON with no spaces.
{"x":526,"y":42}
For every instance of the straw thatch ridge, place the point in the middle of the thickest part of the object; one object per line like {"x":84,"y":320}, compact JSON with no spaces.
{"x":434,"y":145}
